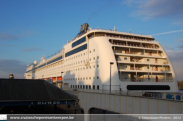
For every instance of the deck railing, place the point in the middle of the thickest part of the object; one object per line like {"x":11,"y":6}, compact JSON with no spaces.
{"x":146,"y":80}
{"x":135,"y":45}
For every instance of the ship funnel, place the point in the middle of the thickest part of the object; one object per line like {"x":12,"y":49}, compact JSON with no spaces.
{"x":84,"y":27}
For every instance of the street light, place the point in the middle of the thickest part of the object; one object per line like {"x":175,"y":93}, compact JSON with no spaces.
{"x":110,"y":75}
{"x":62,"y":79}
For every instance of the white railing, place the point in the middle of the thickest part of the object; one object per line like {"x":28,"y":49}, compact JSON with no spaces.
{"x":53,"y":55}
{"x":134,"y":45}
{"x":120,"y":32}
{"x":160,"y":95}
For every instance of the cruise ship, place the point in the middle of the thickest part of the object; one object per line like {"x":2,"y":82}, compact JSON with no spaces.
{"x":101,"y":59}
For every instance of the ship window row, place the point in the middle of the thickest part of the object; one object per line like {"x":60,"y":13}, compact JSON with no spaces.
{"x":81,"y":48}
{"x":75,"y":57}
{"x":49,"y":64}
{"x":79,"y":42}
{"x":80,"y":62}
{"x":61,"y":62}
{"x":81,"y":78}
{"x":78,"y":69}
{"x":80,"y":55}
{"x":83,"y":68}
{"x":85,"y":86}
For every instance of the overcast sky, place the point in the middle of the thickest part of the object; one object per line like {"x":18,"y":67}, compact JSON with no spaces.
{"x":31,"y":28}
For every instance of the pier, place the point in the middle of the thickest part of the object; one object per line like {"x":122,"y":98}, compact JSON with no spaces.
{"x":129,"y":103}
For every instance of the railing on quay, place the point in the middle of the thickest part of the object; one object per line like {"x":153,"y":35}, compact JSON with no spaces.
{"x":158,"y":95}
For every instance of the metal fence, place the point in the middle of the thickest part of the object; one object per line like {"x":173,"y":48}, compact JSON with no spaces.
{"x":159,"y":95}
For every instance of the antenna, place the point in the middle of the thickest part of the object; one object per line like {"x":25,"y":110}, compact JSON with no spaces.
{"x":115,"y":28}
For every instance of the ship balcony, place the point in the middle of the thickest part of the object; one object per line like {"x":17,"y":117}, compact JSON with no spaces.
{"x":144,"y":77}
{"x":135,"y":45}
{"x":143,"y":68}
{"x":138,"y":53}
{"x":140,"y":60}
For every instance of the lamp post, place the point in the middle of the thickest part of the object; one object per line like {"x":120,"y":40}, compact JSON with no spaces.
{"x":110,"y":76}
{"x":62,"y":79}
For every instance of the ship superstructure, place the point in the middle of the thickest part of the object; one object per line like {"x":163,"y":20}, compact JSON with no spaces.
{"x":139,"y":63}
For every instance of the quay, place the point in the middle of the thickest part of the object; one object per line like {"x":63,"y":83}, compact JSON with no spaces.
{"x":129,"y":103}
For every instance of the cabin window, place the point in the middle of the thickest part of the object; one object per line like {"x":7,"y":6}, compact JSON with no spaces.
{"x":97,"y":86}
{"x":93,"y":86}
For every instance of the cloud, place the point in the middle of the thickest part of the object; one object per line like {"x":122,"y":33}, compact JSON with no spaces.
{"x":8,"y":36}
{"x":176,"y":58}
{"x":180,"y":40}
{"x":157,"y":9}
{"x":181,"y":46}
{"x":31,"y":49}
{"x":7,"y":45}
{"x":16,"y":67}
{"x":167,"y":47}
{"x":168,"y":32}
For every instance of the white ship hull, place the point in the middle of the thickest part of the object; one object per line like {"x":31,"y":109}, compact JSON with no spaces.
{"x":140,"y":63}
